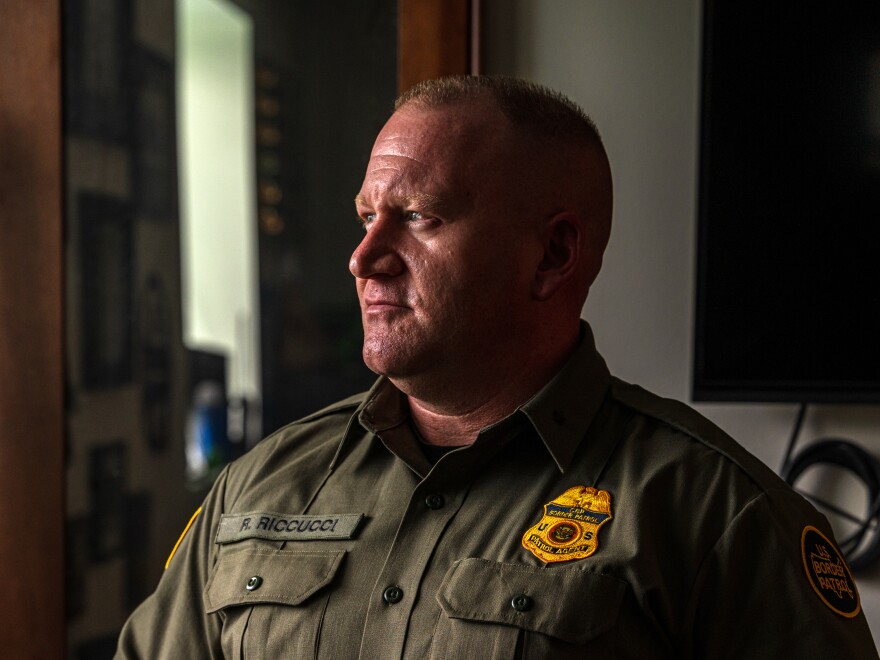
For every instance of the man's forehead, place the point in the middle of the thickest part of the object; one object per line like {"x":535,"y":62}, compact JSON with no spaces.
{"x":401,"y":175}
{"x":403,"y":181}
{"x":397,"y":139}
{"x":425,"y":155}
{"x":412,"y":162}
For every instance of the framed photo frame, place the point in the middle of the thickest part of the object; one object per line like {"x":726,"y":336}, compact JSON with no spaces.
{"x":106,"y":290}
{"x":108,"y":475}
{"x":156,"y":361}
{"x":98,"y":36}
{"x":76,"y":557}
{"x":140,"y":576}
{"x":154,"y":136}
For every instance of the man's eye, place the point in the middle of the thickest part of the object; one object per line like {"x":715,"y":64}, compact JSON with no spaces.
{"x":416,"y":216}
{"x":366,"y":219}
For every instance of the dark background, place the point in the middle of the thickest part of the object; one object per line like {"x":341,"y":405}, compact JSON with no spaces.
{"x":788,"y":300}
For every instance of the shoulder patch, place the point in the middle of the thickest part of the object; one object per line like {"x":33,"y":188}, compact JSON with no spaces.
{"x":828,"y":574}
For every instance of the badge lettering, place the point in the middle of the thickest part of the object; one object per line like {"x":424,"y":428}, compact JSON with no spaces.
{"x":286,"y":527}
{"x":570,"y":525}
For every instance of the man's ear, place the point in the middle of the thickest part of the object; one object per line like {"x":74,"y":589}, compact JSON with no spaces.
{"x":562,"y":253}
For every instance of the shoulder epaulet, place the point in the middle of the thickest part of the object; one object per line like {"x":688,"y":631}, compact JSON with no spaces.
{"x":674,"y":413}
{"x":685,"y":419}
{"x":290,"y":430}
{"x":346,"y":405}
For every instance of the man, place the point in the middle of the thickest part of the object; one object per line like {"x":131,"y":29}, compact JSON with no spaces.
{"x":496,"y":494}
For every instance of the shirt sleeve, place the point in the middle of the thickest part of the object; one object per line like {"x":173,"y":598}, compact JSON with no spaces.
{"x":172,"y":623}
{"x":755,"y":596}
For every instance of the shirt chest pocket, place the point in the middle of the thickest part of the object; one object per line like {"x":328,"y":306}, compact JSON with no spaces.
{"x":502,"y":611}
{"x":271,"y":601}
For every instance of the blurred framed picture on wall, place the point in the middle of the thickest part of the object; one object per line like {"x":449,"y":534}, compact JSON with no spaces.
{"x":98,"y":36}
{"x":106,"y":290}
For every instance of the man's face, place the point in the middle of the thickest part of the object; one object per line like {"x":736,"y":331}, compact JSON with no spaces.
{"x":443,"y":271}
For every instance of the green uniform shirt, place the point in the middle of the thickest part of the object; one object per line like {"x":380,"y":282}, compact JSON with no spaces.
{"x":688,"y":548}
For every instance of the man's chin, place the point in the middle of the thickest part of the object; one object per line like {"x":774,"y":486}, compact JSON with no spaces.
{"x":388,"y":362}
{"x":380,"y":366}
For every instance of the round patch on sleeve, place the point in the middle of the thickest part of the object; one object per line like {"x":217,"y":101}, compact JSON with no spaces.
{"x":828,"y":573}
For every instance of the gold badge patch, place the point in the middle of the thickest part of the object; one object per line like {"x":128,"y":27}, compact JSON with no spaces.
{"x":570,"y":526}
{"x":828,"y":573}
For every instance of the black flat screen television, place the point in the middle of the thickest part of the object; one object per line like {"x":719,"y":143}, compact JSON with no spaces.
{"x":788,"y":246}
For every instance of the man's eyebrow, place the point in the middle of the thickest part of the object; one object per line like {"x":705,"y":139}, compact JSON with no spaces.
{"x":422,"y":200}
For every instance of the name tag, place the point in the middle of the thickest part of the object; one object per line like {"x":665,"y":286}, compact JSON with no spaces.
{"x":286,"y":527}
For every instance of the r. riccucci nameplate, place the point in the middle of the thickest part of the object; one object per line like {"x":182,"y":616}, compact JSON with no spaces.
{"x":286,"y":526}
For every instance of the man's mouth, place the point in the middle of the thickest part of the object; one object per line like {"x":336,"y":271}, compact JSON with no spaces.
{"x":376,"y":304}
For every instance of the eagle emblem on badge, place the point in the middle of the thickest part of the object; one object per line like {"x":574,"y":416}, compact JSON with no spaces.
{"x":570,"y":526}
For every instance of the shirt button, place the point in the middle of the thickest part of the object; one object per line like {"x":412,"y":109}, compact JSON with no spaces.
{"x":393,"y":595}
{"x":434,"y":501}
{"x":521,"y":603}
{"x":254,"y":583}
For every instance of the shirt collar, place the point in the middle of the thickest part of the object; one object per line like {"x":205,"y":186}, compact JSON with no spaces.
{"x":384,"y":407}
{"x":560,"y":412}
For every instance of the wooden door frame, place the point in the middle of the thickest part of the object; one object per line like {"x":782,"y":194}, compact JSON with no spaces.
{"x":437,"y":38}
{"x":31,"y":332}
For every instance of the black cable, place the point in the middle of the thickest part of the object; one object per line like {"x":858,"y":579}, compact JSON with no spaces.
{"x":862,"y":547}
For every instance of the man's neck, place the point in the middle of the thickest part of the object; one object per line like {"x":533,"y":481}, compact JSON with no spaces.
{"x":457,"y":418}
{"x":453,"y":430}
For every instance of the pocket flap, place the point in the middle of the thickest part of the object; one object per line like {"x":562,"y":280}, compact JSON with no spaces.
{"x":245,"y":576}
{"x":568,"y":603}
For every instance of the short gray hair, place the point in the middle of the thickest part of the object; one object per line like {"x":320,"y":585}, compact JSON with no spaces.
{"x":537,"y":109}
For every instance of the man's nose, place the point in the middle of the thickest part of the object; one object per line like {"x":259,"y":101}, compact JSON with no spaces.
{"x":378,"y":252}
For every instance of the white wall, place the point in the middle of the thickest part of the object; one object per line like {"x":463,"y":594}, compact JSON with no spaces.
{"x":634,"y":67}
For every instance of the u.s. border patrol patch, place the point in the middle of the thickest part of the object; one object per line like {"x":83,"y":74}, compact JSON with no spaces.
{"x":828,"y":573}
{"x":570,"y":526}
